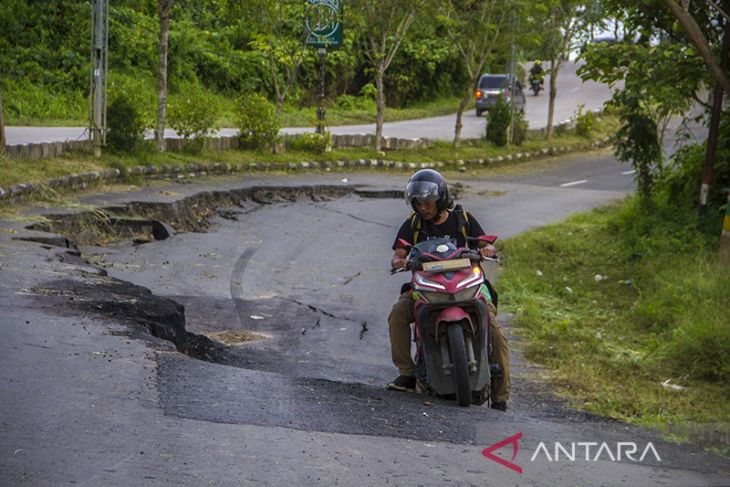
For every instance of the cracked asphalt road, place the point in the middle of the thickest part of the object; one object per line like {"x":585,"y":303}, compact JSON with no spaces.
{"x":87,"y":397}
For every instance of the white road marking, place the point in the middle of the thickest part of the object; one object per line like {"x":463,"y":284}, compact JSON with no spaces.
{"x":626,"y":173}
{"x":574,"y":183}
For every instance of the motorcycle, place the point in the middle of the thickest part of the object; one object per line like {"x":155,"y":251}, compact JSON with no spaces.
{"x":451,"y":319}
{"x":536,"y":84}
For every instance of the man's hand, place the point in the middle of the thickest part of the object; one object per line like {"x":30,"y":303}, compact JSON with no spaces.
{"x":399,"y":260}
{"x":488,"y":250}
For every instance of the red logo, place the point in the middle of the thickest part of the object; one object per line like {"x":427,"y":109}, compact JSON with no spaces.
{"x":487,"y":452}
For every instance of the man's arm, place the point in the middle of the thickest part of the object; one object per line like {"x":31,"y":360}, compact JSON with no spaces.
{"x":486,"y":249}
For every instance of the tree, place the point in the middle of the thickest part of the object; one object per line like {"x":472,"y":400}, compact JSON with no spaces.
{"x":700,"y":42}
{"x":563,"y":26}
{"x":279,"y":35}
{"x":660,"y":79}
{"x":163,"y":10}
{"x":386,"y":25}
{"x":474,"y":27}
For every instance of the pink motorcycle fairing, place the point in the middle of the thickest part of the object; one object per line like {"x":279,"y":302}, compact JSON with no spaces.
{"x":453,"y":314}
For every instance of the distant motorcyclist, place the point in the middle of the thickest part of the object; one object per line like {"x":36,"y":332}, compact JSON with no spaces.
{"x":434,"y":215}
{"x":537,"y":72}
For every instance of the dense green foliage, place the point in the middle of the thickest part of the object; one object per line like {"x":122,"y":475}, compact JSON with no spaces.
{"x":223,"y":47}
{"x":655,"y":81}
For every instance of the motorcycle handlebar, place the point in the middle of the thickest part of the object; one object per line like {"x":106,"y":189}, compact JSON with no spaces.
{"x":396,"y":270}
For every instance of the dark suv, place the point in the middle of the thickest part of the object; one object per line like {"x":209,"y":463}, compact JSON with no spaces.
{"x":491,"y":86}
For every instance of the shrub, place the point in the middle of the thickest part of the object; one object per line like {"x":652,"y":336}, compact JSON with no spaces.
{"x":498,"y":122}
{"x":348,"y":103}
{"x":193,"y":116}
{"x":585,"y":122}
{"x":257,"y":122}
{"x":679,"y":181}
{"x":140,"y":90}
{"x":520,"y":129}
{"x":310,"y":142}
{"x":125,"y":125}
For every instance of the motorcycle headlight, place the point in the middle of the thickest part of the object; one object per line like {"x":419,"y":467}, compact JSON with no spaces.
{"x":474,"y":279}
{"x":422,"y":281}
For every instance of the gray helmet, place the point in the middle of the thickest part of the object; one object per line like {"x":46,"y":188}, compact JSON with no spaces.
{"x":428,"y":185}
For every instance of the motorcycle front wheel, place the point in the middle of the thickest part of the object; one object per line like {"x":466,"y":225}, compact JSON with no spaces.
{"x":460,"y":370}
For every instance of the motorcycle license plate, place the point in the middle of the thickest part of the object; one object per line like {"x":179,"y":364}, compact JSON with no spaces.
{"x":446,"y":265}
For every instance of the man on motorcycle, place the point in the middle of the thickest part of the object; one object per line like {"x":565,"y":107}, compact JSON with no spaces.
{"x":536,"y":72}
{"x":436,"y":216}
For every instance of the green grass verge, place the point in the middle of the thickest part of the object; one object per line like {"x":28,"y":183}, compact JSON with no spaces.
{"x":363,"y":111}
{"x":14,"y":171}
{"x":659,"y":314}
{"x":27,"y":104}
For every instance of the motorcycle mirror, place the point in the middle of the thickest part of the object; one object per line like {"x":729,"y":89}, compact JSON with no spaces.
{"x":403,"y":244}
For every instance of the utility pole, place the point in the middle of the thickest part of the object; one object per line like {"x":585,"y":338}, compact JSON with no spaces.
{"x":99,"y":69}
{"x":513,"y":75}
{"x":322,"y":91}
{"x":323,"y":28}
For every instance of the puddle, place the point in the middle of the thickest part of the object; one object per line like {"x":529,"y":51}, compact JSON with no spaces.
{"x":237,"y":337}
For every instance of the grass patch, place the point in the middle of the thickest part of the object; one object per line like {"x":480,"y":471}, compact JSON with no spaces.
{"x":14,"y":171}
{"x":617,"y":301}
{"x":28,"y":104}
{"x":362,"y":111}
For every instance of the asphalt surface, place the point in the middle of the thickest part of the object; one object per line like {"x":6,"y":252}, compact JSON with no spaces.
{"x":572,"y":93}
{"x":89,"y":397}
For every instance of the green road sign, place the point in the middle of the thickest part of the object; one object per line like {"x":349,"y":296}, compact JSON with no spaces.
{"x":324,"y":23}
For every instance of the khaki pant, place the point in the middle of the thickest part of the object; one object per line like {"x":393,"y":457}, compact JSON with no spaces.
{"x":399,"y":323}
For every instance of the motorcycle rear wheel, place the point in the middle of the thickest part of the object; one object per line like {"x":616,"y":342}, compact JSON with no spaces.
{"x":460,"y":370}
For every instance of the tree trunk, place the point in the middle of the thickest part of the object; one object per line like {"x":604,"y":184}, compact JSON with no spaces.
{"x":553,"y":92}
{"x":380,"y":114}
{"x":457,"y":128}
{"x":3,"y":141}
{"x":712,"y":136}
{"x":699,"y":40}
{"x":163,"y":7}
{"x":725,"y":236}
{"x":275,"y":81}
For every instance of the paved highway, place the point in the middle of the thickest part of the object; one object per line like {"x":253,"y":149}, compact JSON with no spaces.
{"x":572,"y":93}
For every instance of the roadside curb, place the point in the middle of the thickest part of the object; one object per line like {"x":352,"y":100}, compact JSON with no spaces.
{"x":18,"y":192}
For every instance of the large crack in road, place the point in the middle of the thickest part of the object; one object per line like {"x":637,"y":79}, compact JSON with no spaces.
{"x":143,"y":222}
